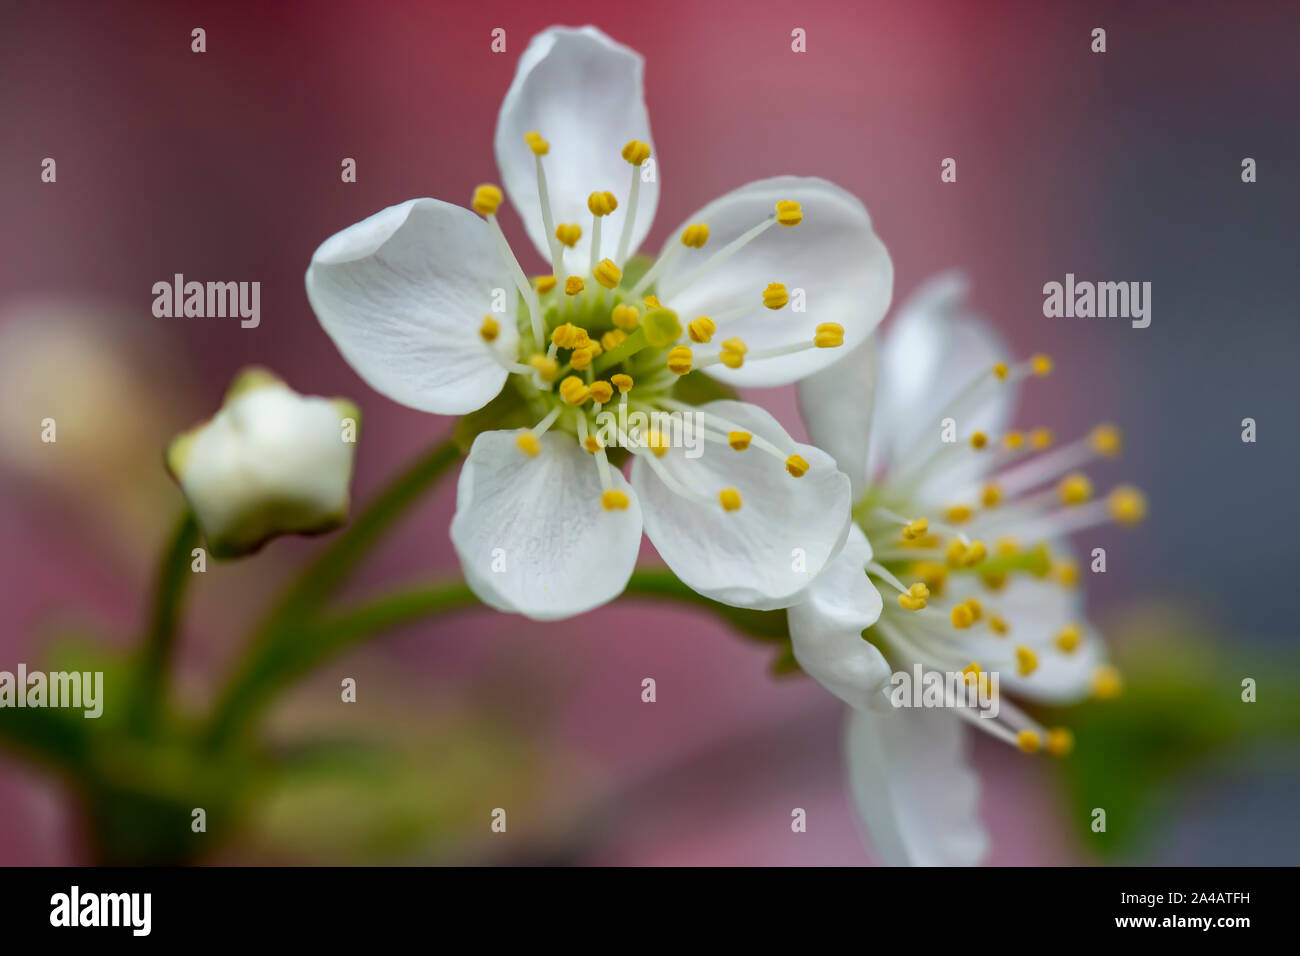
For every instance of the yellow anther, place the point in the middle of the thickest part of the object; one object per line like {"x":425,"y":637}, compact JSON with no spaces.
{"x":739,"y":440}
{"x":829,"y":335}
{"x":1059,"y":742}
{"x":1007,"y":547}
{"x":1027,"y":740}
{"x":539,"y":146}
{"x":958,"y":514}
{"x":547,"y":368}
{"x":916,"y":527}
{"x":592,"y":444}
{"x":614,"y":500}
{"x":566,"y":336}
{"x":1026,"y":661}
{"x":636,"y":152}
{"x":976,"y":609}
{"x":1068,"y":638}
{"x":1041,"y":365}
{"x":729,"y":498}
{"x":1106,"y":441}
{"x":528,"y":444}
{"x":1074,"y":489}
{"x":490,"y":329}
{"x":796,"y":466}
{"x":612,"y":339}
{"x":1001,"y":370}
{"x":581,"y":358}
{"x":601,"y":392}
{"x":914,"y":598}
{"x":625,"y":317}
{"x":1106,"y":682}
{"x":775,"y":296}
{"x":607,"y":274}
{"x":573,"y":285}
{"x":574,"y":391}
{"x":695,"y":235}
{"x":923,"y":543}
{"x":652,"y":302}
{"x":1127,"y":505}
{"x":998,"y":625}
{"x":991,"y":495}
{"x":622,"y":382}
{"x":1013,"y":440}
{"x":976,"y":553}
{"x":661,"y":327}
{"x":656,"y":442}
{"x":679,"y":360}
{"x":701,"y":330}
{"x":545,"y":284}
{"x":1067,"y":572}
{"x":972,"y":672}
{"x":961,"y":616}
{"x":978,"y":440}
{"x":789,"y":213}
{"x":602,"y":204}
{"x":1041,"y":438}
{"x":934,"y":575}
{"x":487,"y":199}
{"x":568,"y":233}
{"x":733,"y":353}
{"x":956,"y":553}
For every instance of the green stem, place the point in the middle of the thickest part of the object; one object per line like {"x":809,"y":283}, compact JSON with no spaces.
{"x":160,"y":640}
{"x":248,"y":688}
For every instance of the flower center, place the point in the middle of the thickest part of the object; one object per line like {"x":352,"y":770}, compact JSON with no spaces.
{"x":585,"y":338}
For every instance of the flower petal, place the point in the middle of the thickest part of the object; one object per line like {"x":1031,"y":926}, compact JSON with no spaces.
{"x":826,"y":629}
{"x":932,"y":351}
{"x":832,"y":255}
{"x":836,"y":405}
{"x":531,"y":532}
{"x":748,"y":557}
{"x":913,"y":787}
{"x":403,"y":295}
{"x":585,"y":94}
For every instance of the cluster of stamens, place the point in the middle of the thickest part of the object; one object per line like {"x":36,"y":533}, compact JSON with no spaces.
{"x":585,"y":337}
{"x":947,"y":582}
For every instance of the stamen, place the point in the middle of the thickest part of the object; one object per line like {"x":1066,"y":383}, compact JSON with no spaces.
{"x":607,"y":274}
{"x":540,"y":148}
{"x":622,"y":382}
{"x":1068,"y":638}
{"x":568,"y":233}
{"x":679,"y":360}
{"x":739,"y":440}
{"x":490,"y":329}
{"x":1026,"y":661}
{"x":601,"y":204}
{"x":729,"y":498}
{"x":625,"y":317}
{"x":1107,"y":683}
{"x":796,"y":466}
{"x":636,"y":153}
{"x":613,"y":499}
{"x":545,"y":284}
{"x":1028,"y":741}
{"x":695,"y":235}
{"x":1059,"y":742}
{"x":730,"y":249}
{"x":701,"y":330}
{"x":486,"y":201}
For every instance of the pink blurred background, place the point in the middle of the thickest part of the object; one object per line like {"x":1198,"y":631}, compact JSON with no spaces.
{"x":225,"y":166}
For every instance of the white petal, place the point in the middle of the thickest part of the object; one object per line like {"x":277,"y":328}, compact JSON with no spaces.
{"x":586,"y":95}
{"x":913,"y":787}
{"x":531,"y":532}
{"x":403,"y":295}
{"x":270,"y":462}
{"x":833,"y":256}
{"x":826,"y":629}
{"x":836,"y":405}
{"x":932,"y":351}
{"x":746,"y":558}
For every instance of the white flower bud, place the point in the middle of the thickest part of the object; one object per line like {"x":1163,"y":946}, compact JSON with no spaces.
{"x":270,"y":462}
